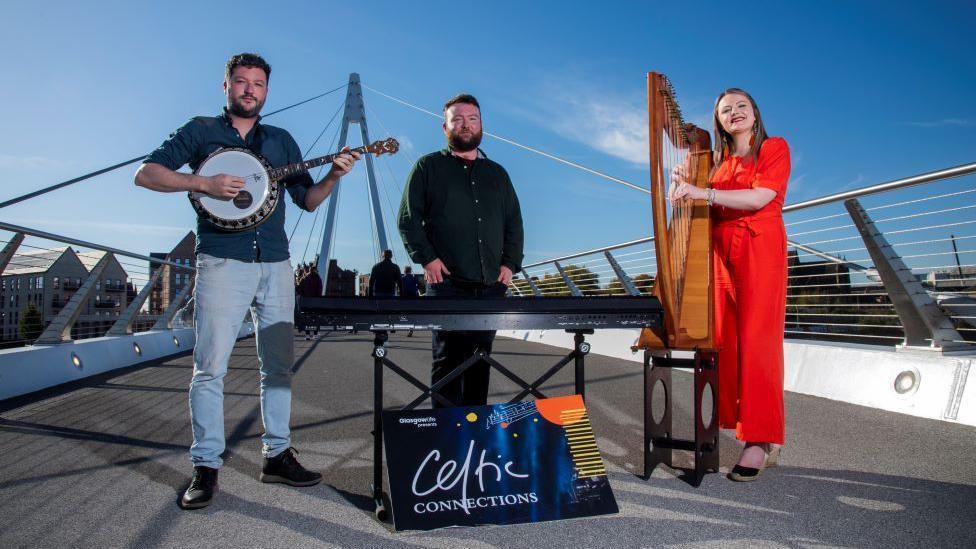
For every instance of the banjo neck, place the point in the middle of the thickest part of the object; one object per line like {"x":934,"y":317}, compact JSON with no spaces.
{"x":277,"y":174}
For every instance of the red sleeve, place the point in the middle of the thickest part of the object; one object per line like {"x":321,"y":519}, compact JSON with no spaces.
{"x":773,"y":170}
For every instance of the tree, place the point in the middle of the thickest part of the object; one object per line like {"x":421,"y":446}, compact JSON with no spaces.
{"x":644,"y":283}
{"x":522,"y":286}
{"x":31,"y":324}
{"x":586,"y":280}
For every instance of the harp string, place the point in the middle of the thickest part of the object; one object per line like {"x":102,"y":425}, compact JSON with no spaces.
{"x":675,"y":152}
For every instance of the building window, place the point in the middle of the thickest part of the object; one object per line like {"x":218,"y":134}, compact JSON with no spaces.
{"x":98,"y":285}
{"x":56,"y":283}
{"x":40,"y":282}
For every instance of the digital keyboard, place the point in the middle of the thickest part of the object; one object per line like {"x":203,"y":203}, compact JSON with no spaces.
{"x":453,"y":313}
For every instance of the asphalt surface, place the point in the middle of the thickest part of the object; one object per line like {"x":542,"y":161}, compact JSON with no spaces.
{"x":104,"y":461}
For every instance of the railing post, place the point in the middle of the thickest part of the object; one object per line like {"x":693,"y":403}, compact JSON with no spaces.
{"x":573,"y":290}
{"x":535,"y":289}
{"x":59,"y":330}
{"x":622,"y":276}
{"x":9,"y":249}
{"x":920,"y":315}
{"x":165,"y":321}
{"x":123,"y":326}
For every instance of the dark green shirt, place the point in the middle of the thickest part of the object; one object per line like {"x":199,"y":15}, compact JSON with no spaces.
{"x":467,"y":217}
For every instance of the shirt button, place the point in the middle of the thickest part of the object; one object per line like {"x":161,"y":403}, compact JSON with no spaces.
{"x":479,"y":220}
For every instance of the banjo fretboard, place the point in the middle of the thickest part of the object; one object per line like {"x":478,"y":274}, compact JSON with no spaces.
{"x":277,"y":174}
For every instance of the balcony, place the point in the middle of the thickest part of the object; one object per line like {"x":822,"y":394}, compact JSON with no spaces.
{"x":106,"y":304}
{"x":114,"y":288}
{"x":70,"y":285}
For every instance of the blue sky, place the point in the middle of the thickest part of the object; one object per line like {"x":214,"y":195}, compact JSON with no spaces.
{"x":864,"y":92}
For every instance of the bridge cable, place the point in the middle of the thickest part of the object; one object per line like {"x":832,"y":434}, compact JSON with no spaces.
{"x":526,"y":147}
{"x":387,"y":221}
{"x":397,"y":187}
{"x":335,"y":137}
{"x":57,"y":186}
{"x":332,"y":196}
{"x":301,"y":211}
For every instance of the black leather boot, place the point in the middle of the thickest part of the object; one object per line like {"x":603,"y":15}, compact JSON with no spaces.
{"x":201,"y":489}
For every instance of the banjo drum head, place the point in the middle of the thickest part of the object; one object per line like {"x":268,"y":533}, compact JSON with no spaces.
{"x":252,"y":204}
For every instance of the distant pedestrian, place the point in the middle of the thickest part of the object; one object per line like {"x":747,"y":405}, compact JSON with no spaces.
{"x":409,"y":288}
{"x":408,"y":283}
{"x":311,"y":286}
{"x":384,"y":279}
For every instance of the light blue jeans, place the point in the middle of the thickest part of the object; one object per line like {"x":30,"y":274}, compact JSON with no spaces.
{"x":225,"y":289}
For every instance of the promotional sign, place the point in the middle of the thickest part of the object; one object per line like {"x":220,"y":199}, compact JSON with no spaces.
{"x":500,"y":464}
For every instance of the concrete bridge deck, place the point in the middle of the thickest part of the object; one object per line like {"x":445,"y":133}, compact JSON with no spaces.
{"x":103,"y":462}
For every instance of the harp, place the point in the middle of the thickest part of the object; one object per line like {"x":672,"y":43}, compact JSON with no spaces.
{"x":683,"y":285}
{"x":682,"y":231}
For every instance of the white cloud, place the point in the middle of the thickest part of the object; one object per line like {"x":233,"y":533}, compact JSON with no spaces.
{"x":854,"y":183}
{"x":610,"y":125}
{"x":406,"y":145}
{"x":797,"y":180}
{"x":28,"y":162}
{"x":945,"y":122}
{"x":608,"y":122}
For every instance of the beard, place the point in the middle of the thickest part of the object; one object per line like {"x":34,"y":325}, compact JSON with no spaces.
{"x":459,"y":143}
{"x":237,"y":108}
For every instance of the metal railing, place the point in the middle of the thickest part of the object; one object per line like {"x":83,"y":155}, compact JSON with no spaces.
{"x":835,"y":291}
{"x":72,"y":299}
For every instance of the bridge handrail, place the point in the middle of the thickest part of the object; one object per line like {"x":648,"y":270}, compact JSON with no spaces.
{"x":845,"y":278}
{"x":928,"y":177}
{"x":74,"y":241}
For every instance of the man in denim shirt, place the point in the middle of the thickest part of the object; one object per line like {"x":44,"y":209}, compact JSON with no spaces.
{"x":239,"y":270}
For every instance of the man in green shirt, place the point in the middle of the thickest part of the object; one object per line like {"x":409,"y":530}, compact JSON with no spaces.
{"x":460,"y":219}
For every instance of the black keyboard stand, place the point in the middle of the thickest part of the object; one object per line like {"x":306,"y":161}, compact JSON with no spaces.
{"x":382,"y":361}
{"x":658,"y":439}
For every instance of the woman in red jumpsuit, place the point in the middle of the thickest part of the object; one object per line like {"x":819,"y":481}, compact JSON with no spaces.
{"x":749,"y":264}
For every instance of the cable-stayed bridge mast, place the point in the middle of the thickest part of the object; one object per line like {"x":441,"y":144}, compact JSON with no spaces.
{"x":355,"y":113}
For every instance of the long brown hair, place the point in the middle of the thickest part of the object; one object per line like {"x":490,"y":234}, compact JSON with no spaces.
{"x":723,"y":139}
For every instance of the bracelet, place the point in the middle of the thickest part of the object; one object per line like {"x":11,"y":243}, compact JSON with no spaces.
{"x":710,"y":196}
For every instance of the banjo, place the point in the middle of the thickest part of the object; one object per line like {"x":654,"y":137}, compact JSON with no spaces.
{"x":262,"y":191}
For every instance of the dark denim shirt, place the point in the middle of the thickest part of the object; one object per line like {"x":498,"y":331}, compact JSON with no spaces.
{"x":199,"y":137}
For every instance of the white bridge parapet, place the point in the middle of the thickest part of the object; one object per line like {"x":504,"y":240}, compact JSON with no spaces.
{"x":921,"y":384}
{"x":24,"y":370}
